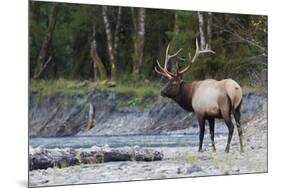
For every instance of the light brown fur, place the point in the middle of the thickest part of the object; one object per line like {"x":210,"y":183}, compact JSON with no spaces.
{"x":207,"y":93}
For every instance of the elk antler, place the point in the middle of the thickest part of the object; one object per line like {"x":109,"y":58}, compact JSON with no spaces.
{"x":163,"y":70}
{"x":196,"y":55}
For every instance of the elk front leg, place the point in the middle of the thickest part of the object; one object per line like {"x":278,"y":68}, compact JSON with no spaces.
{"x":212,"y":132}
{"x":201,"y":132}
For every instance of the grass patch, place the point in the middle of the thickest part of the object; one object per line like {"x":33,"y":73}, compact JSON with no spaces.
{"x":192,"y":159}
{"x":140,"y":93}
{"x":138,"y":89}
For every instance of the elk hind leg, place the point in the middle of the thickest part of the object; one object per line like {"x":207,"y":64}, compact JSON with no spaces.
{"x":212,"y":132}
{"x":237,"y":116}
{"x":230,"y":127}
{"x":225,"y":107}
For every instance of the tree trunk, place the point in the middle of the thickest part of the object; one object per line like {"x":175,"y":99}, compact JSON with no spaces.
{"x":110,"y":46}
{"x":171,"y":66}
{"x":95,"y":72}
{"x":44,"y":66}
{"x":96,"y":59}
{"x":209,"y":29}
{"x":75,"y":72}
{"x":176,"y":25}
{"x":54,"y":64}
{"x":46,"y":42}
{"x":134,"y":18}
{"x":139,"y":42}
{"x":201,"y":30}
{"x":116,"y":38}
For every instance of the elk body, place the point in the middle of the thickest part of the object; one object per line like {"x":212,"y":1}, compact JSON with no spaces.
{"x":208,"y":99}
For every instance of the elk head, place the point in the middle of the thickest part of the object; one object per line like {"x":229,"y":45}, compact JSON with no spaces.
{"x":172,"y":88}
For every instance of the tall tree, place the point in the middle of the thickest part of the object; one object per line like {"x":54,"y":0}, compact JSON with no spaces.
{"x":201,"y":30}
{"x":112,"y":39}
{"x":95,"y":57}
{"x":244,"y":30}
{"x":209,"y":29}
{"x":80,"y":62}
{"x":117,"y":27}
{"x":176,"y":25}
{"x":139,"y":41}
{"x":42,"y":62}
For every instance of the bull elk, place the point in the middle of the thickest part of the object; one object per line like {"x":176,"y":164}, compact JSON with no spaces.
{"x":208,"y":99}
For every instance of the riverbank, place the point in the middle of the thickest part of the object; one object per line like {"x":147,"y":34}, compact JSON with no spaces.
{"x":61,"y":115}
{"x":177,"y":162}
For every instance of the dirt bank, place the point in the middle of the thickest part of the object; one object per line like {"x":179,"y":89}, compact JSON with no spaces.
{"x":67,"y":115}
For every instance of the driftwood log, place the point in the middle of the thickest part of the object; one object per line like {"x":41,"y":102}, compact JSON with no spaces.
{"x":42,"y":158}
{"x":90,"y":123}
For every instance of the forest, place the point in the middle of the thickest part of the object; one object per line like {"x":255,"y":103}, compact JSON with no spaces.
{"x":119,"y":45}
{"x":95,"y":96}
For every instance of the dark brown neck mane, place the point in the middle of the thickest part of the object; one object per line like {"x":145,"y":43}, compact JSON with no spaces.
{"x":184,"y":98}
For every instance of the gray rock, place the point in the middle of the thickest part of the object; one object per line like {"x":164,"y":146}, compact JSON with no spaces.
{"x":117,"y":155}
{"x":147,"y":155}
{"x":193,"y":168}
{"x":40,"y":161}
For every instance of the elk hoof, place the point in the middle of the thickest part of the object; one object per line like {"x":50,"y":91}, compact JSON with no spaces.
{"x":227,"y":149}
{"x":200,"y":150}
{"x":214,"y":150}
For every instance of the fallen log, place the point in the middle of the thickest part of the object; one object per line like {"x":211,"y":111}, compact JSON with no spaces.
{"x":42,"y":158}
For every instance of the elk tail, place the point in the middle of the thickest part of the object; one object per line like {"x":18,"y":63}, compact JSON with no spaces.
{"x":229,"y":103}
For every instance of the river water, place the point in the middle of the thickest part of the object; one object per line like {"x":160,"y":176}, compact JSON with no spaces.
{"x":177,"y":140}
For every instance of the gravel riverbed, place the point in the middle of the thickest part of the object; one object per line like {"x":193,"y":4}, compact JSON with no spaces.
{"x":177,"y":162}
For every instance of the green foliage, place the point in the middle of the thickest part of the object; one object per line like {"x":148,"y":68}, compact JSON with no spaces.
{"x":133,"y":102}
{"x":240,"y":43}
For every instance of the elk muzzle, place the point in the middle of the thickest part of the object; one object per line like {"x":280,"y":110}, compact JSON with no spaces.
{"x":162,"y":93}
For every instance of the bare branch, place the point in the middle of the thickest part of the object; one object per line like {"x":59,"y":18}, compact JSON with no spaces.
{"x":44,"y":66}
